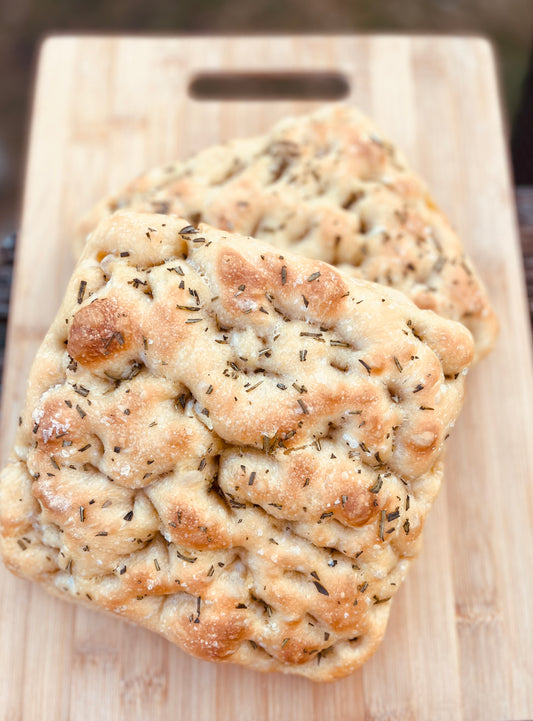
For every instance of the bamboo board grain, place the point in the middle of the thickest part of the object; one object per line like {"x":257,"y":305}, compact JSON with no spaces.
{"x":460,"y":639}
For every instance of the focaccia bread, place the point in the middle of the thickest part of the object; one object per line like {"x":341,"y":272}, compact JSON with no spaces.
{"x":232,"y":446}
{"x":328,"y":186}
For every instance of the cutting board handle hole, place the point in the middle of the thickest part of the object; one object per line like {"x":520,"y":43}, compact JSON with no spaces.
{"x":269,"y":86}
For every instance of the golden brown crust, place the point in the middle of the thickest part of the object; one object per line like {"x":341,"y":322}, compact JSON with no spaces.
{"x":328,"y":186}
{"x":233,"y":446}
{"x":99,"y":331}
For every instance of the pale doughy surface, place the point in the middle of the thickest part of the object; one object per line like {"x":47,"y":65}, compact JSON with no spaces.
{"x":328,"y":186}
{"x":233,"y":446}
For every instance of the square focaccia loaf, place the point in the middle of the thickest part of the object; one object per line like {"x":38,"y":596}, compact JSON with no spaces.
{"x":329,"y":186}
{"x":232,"y":446}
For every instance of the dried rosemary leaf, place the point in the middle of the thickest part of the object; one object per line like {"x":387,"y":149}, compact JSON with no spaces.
{"x":381,"y":528}
{"x":320,"y":588}
{"x":81,"y":291}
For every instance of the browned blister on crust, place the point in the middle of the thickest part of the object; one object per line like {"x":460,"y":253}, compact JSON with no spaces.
{"x":232,"y":445}
{"x":329,"y":186}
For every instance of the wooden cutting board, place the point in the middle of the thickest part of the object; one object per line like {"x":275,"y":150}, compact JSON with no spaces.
{"x":460,"y":639}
